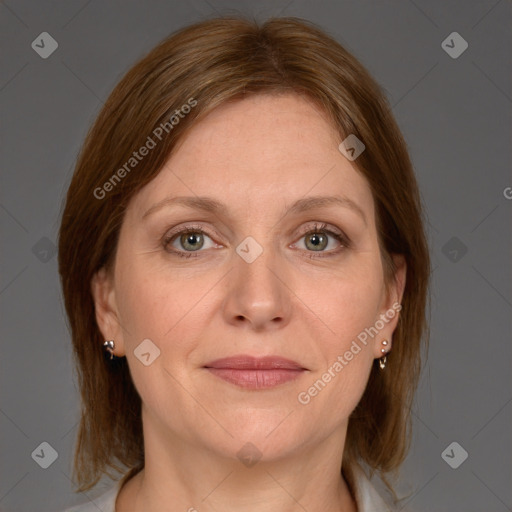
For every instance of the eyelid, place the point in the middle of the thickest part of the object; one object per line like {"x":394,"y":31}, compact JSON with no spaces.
{"x":333,"y":231}
{"x":321,"y":226}
{"x":306,"y":229}
{"x":189,"y":228}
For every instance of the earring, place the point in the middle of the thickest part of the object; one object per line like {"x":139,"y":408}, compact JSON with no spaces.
{"x":109,"y":347}
{"x":382,"y":360}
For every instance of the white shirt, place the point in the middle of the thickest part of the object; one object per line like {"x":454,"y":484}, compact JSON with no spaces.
{"x":366,"y":496}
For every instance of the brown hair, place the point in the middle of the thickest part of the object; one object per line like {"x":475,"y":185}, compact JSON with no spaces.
{"x":213,"y":62}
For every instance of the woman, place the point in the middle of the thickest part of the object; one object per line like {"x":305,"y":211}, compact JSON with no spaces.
{"x":243,"y":236}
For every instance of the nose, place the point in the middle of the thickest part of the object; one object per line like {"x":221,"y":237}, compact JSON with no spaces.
{"x":258,"y":296}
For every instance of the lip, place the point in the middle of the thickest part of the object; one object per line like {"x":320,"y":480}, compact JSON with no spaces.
{"x":255,"y":372}
{"x":244,"y":362}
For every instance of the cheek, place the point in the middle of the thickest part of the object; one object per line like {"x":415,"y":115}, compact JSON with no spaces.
{"x":346,"y":302}
{"x":147,"y":300}
{"x":346,"y":353}
{"x":157,"y":308}
{"x":145,"y":307}
{"x":162,"y":307}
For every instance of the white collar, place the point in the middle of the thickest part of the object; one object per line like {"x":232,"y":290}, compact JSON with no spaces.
{"x":366,"y":496}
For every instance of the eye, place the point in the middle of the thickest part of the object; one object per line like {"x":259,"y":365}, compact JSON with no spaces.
{"x":319,"y":238}
{"x":187,"y":241}
{"x":192,"y":239}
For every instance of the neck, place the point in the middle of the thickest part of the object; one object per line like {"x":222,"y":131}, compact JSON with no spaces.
{"x":179,"y":475}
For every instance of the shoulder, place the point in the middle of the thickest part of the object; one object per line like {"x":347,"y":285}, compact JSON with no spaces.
{"x":104,"y":503}
{"x":366,"y":496}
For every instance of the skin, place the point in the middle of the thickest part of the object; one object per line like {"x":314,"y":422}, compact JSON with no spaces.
{"x":257,"y":156}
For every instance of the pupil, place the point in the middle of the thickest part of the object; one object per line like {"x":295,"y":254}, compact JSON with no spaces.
{"x":190,"y":240}
{"x":317,"y":241}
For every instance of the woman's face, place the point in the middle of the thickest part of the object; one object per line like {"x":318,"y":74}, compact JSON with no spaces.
{"x":248,"y":281}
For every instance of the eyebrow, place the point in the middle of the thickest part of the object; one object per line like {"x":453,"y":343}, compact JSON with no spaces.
{"x":211,"y":205}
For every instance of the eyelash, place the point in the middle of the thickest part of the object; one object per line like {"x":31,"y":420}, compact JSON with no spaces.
{"x":317,"y":229}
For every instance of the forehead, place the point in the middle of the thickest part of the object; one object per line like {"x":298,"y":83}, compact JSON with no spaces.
{"x":260,"y":151}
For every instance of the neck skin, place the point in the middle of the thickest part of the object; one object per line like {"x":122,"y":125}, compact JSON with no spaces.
{"x":181,"y":476}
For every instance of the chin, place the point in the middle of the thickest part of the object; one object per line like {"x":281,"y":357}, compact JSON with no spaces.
{"x":271,"y":434}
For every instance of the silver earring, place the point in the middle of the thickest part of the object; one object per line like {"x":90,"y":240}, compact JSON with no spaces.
{"x":382,"y":360}
{"x":109,"y":347}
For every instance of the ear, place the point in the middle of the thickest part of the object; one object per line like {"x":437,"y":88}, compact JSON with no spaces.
{"x":107,"y":318}
{"x":391,"y":305}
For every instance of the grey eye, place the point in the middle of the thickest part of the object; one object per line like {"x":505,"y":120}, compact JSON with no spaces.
{"x":317,"y":241}
{"x":191,"y":241}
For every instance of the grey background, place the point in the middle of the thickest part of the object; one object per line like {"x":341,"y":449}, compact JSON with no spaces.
{"x":456,"y":117}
